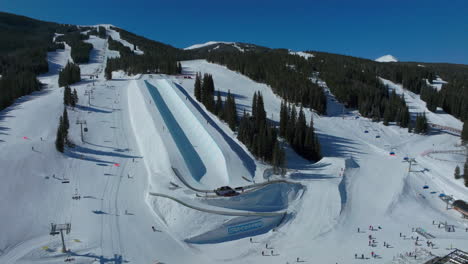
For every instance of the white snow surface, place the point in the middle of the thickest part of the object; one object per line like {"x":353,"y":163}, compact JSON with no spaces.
{"x":140,"y":127}
{"x":209,"y":43}
{"x":386,"y":58}
{"x":305,"y":55}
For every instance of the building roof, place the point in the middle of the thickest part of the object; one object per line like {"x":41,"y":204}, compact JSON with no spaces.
{"x":461,"y":205}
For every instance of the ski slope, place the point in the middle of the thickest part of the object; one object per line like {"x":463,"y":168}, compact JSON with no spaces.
{"x":144,"y":130}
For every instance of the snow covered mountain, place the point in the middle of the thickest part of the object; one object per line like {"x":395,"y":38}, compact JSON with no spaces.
{"x":386,"y":58}
{"x":138,"y":186}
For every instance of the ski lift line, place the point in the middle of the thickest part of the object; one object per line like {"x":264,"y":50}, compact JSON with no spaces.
{"x":219,"y":212}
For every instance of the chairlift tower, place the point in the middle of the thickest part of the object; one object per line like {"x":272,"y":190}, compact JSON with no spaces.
{"x":55,"y":229}
{"x":411,"y":161}
{"x":81,"y":123}
{"x":88,"y":93}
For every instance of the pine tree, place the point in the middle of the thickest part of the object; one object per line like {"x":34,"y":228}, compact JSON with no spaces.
{"x":108,"y":72}
{"x":283,"y":119}
{"x":421,"y":126}
{"x":254,"y":104}
{"x":179,"y":68}
{"x":75,"y":97}
{"x":219,"y":105}
{"x":457,"y":173}
{"x":464,"y":135}
{"x":198,"y":87}
{"x":59,"y":140}
{"x":291,"y":124}
{"x":67,"y":95}
{"x":299,"y":132}
{"x":276,"y":158}
{"x":465,"y":172}
{"x":65,"y":125}
{"x":261,"y":114}
{"x":387,"y":115}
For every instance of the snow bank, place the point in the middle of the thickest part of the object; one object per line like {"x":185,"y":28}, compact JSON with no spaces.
{"x":148,"y":138}
{"x":200,"y":152}
{"x":273,"y":197}
{"x":238,"y":228}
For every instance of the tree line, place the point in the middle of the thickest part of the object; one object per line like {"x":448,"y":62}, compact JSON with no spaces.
{"x":458,"y":175}
{"x":278,"y":69}
{"x":254,"y":131}
{"x":157,"y":58}
{"x":23,"y":54}
{"x":70,"y":74}
{"x":260,"y":136}
{"x":301,"y":137}
{"x":80,"y":50}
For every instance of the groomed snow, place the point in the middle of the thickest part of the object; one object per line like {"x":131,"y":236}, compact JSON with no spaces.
{"x":123,"y":175}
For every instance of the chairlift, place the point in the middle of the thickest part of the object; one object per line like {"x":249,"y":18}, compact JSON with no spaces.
{"x":378,"y":136}
{"x":392,"y":153}
{"x":425,"y":187}
{"x":85,"y":129}
{"x":366,"y":131}
{"x":65,"y":181}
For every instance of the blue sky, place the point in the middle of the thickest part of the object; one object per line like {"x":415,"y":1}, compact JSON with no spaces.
{"x":411,"y":30}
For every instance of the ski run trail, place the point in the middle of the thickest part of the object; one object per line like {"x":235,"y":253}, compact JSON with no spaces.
{"x":151,"y":157}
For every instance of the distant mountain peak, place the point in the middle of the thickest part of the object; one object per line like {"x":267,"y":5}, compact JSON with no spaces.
{"x":387,"y":58}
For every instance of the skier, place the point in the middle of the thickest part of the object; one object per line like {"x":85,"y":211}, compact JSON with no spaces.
{"x":358,"y":230}
{"x":355,"y":256}
{"x":32,"y":148}
{"x":272,"y":252}
{"x":263,"y":253}
{"x":250,"y":240}
{"x":154,"y":229}
{"x":362,"y":256}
